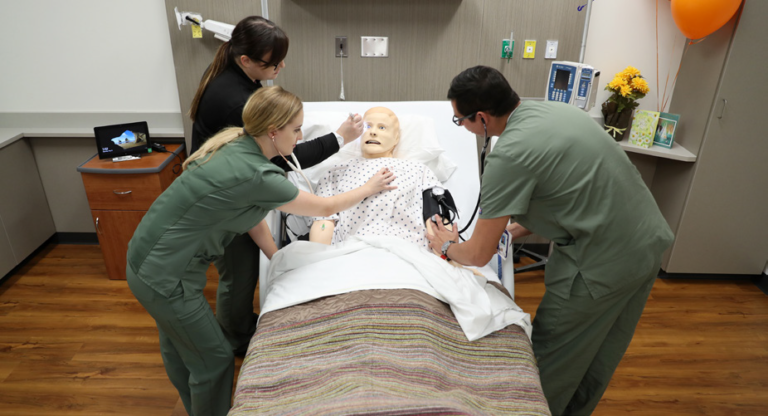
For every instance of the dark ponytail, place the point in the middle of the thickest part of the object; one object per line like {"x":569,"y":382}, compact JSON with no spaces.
{"x":254,"y":37}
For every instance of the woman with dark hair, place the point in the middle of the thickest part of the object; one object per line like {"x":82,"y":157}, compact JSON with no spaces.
{"x":255,"y":53}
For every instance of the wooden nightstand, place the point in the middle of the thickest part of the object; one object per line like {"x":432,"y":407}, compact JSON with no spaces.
{"x":120,"y":193}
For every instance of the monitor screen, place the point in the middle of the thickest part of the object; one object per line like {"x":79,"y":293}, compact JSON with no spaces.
{"x":122,"y":139}
{"x":561,"y":79}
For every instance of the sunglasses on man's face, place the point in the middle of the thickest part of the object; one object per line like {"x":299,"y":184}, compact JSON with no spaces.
{"x":457,"y":120}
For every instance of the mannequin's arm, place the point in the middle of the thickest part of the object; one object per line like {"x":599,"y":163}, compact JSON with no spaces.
{"x":322,"y":231}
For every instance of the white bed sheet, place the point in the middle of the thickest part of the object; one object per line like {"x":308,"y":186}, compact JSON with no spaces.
{"x":304,"y":271}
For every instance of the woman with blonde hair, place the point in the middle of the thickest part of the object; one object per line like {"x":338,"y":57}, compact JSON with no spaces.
{"x":226,"y":190}
{"x":255,"y":53}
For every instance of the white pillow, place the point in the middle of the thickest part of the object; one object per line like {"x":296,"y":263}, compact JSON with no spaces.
{"x":418,"y":141}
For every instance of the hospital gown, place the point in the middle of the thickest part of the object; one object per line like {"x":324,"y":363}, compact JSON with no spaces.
{"x":397,"y":213}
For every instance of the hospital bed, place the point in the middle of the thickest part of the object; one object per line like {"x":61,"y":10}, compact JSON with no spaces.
{"x":392,"y":350}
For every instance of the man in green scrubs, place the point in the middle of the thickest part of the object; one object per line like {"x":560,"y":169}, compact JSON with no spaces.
{"x":186,"y":229}
{"x":556,"y":173}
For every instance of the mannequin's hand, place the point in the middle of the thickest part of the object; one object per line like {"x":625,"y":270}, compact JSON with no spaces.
{"x":441,"y":235}
{"x":381,"y":181}
{"x":351,"y":128}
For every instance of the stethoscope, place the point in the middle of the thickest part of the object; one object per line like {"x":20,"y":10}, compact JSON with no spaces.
{"x":296,"y":167}
{"x":482,"y":168}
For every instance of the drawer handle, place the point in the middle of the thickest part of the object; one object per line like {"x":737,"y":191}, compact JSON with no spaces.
{"x":98,"y":230}
{"x":122,"y":193}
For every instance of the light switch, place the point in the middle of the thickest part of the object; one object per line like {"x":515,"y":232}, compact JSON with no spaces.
{"x":529,"y":51}
{"x":374,"y":46}
{"x":551,"y":51}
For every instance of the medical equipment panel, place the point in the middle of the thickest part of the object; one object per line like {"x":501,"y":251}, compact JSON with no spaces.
{"x":572,"y":83}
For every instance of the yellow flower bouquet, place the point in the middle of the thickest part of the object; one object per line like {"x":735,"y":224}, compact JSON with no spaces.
{"x":627,"y":87}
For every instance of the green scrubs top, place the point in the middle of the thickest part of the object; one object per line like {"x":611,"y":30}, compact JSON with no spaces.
{"x":189,"y":224}
{"x":558,"y":174}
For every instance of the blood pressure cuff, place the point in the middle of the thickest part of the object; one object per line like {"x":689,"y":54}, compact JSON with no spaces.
{"x":442,"y":205}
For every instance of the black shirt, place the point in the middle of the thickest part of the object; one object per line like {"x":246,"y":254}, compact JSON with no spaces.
{"x":222,"y":106}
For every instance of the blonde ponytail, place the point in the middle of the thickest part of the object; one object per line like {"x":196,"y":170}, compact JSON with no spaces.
{"x":213,"y":144}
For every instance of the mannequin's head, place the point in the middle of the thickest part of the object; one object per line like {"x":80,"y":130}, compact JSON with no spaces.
{"x":382,"y":133}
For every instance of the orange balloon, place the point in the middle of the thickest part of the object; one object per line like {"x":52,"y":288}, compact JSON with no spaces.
{"x":700,"y":18}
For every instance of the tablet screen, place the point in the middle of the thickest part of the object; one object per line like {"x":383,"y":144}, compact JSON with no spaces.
{"x":122,"y":139}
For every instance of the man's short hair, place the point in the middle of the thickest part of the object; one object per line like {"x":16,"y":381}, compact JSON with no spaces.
{"x":482,"y":88}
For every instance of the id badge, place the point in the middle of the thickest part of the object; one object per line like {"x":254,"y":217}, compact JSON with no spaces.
{"x":503,"y":247}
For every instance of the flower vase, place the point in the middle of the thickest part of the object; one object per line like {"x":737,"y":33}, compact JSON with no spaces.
{"x":617,"y":122}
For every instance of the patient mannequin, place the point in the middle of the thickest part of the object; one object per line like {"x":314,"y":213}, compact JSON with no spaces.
{"x":397,"y":213}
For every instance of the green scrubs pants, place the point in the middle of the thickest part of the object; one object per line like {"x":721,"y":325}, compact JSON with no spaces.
{"x":580,"y":341}
{"x":197,"y":357}
{"x":238,"y":275}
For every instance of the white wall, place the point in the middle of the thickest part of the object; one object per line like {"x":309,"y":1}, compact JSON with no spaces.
{"x":623,"y":33}
{"x":86,"y":56}
{"x":115,"y":56}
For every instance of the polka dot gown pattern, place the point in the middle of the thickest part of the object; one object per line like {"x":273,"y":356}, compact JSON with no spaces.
{"x":397,"y":213}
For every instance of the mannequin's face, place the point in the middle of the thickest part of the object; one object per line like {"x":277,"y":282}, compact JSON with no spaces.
{"x":257,"y":70}
{"x":381,"y":134}
{"x":285,"y":139}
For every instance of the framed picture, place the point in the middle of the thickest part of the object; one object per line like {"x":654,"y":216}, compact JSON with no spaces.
{"x":665,"y":130}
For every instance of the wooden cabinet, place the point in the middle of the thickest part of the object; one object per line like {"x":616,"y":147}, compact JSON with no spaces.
{"x":120,"y":193}
{"x":115,"y":229}
{"x":25,"y":217}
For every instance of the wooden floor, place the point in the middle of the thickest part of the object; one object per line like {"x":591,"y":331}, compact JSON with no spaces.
{"x":73,"y":342}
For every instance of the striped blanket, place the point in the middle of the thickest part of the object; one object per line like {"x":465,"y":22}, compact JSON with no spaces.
{"x":384,"y":352}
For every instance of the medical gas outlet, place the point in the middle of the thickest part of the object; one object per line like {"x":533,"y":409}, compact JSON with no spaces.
{"x":507,"y":46}
{"x":340,"y":45}
{"x":529,"y":51}
{"x":551,"y":51}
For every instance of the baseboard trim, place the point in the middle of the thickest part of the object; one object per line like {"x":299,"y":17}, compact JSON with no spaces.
{"x":58,"y":238}
{"x":75,"y":238}
{"x":9,"y":275}
{"x":760,"y":280}
{"x":762,"y":283}
{"x":701,"y":276}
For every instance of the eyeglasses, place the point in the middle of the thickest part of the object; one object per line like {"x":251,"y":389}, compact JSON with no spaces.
{"x":457,"y":120}
{"x":268,"y":65}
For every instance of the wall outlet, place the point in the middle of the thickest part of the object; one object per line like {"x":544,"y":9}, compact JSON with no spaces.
{"x":551,"y":51}
{"x":341,"y":47}
{"x":529,"y":51}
